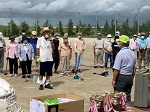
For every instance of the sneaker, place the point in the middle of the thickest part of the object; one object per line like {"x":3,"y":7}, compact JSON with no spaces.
{"x":16,"y":75}
{"x":28,"y":76}
{"x":61,"y":74}
{"x":72,"y":71}
{"x":79,"y":71}
{"x":41,"y":87}
{"x":11,"y":75}
{"x":48,"y":86}
{"x":23,"y":76}
{"x":95,"y":66}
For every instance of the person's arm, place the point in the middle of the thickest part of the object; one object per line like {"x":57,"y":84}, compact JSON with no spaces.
{"x":115,"y":74}
{"x":7,"y":51}
{"x":75,"y":47}
{"x":32,"y":50}
{"x":38,"y":48}
{"x":70,"y":51}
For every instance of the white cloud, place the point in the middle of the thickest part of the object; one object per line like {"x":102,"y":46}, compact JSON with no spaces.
{"x":145,"y":8}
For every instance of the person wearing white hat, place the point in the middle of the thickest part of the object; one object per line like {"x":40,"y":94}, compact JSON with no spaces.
{"x":44,"y":51}
{"x":33,"y":41}
{"x":108,"y":51}
{"x":117,"y":33}
{"x":2,"y":46}
{"x":133,"y":45}
{"x":56,"y":52}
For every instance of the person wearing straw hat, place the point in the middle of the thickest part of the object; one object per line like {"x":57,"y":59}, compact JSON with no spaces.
{"x":124,"y":68}
{"x":44,"y":51}
{"x":12,"y":56}
{"x":108,"y":51}
{"x":33,"y":41}
{"x":98,"y":51}
{"x":143,"y":43}
{"x":65,"y":52}
{"x":56,"y":52}
{"x":79,"y":45}
{"x":2,"y":46}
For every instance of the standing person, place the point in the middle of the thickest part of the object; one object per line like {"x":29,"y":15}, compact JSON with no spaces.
{"x":23,"y":33}
{"x":115,"y":48}
{"x":79,"y":45}
{"x":143,"y":43}
{"x":26,"y":55}
{"x":148,"y":48}
{"x":133,"y":45}
{"x":33,"y":41}
{"x":124,"y":68}
{"x":98,"y":51}
{"x":12,"y":56}
{"x":108,"y":51}
{"x":2,"y":46}
{"x":65,"y":52}
{"x":56,"y":52}
{"x":44,"y":51}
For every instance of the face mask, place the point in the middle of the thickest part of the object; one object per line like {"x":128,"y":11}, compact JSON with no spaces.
{"x":109,"y":39}
{"x":79,"y":36}
{"x":23,"y":33}
{"x":46,"y":36}
{"x":33,"y":36}
{"x":25,"y":41}
{"x":99,"y":37}
{"x":57,"y":37}
{"x":142,"y":37}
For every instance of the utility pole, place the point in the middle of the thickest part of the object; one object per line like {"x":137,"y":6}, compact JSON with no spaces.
{"x":79,"y":22}
{"x":96,"y":24}
{"x":10,"y":20}
{"x":115,"y":22}
{"x":36,"y":22}
{"x":138,"y":20}
{"x":59,"y":22}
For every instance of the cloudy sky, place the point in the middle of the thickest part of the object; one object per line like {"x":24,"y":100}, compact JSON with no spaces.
{"x":65,"y":9}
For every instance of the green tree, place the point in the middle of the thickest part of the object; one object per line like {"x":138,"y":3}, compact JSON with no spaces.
{"x":38,"y":28}
{"x":112,"y":27}
{"x":134,"y":28}
{"x":78,"y":29}
{"x":59,"y":29}
{"x":25,"y":26}
{"x":70,"y":27}
{"x":106,"y":29}
{"x":125,"y":29}
{"x":88,"y":30}
{"x":12,"y":29}
{"x":47,"y":24}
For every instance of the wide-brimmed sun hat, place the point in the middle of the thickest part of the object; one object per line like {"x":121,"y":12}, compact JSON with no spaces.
{"x":56,"y":34}
{"x":123,"y":39}
{"x":11,"y":37}
{"x":34,"y":32}
{"x":46,"y":29}
{"x":109,"y":36}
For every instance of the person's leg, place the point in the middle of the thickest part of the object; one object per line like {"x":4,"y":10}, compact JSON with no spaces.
{"x":1,"y":59}
{"x":11,"y":66}
{"x":111,"y":61}
{"x":42,"y":73}
{"x":16,"y":66}
{"x":23,"y":69}
{"x":80,"y":57}
{"x":29,"y":62}
{"x":101,"y":58}
{"x":63,"y":65}
{"x":68,"y":65}
{"x":145,"y":58}
{"x":49,"y":67}
{"x":106,"y":59}
{"x":74,"y":63}
{"x":57,"y":60}
{"x":140,"y":60}
{"x":96,"y":58}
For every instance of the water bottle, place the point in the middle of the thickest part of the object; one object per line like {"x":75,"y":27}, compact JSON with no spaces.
{"x":34,"y":79}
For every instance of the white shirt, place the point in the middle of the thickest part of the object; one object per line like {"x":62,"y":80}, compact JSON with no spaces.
{"x":45,"y":48}
{"x":98,"y":43}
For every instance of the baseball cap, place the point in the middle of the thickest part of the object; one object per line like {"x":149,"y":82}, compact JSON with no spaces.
{"x":123,"y":39}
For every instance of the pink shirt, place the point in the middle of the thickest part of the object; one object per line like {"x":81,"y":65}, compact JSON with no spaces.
{"x":133,"y":44}
{"x":12,"y":50}
{"x":64,"y":49}
{"x":79,"y":45}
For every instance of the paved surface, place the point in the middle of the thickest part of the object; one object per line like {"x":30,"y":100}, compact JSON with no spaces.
{"x":93,"y":84}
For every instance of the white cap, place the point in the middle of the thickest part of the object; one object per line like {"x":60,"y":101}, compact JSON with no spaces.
{"x":109,"y":36}
{"x":34,"y":32}
{"x":1,"y":34}
{"x":134,"y":35}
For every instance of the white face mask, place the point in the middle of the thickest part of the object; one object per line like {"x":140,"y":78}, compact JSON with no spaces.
{"x":33,"y":36}
{"x":47,"y":36}
{"x":58,"y":37}
{"x":79,"y":36}
{"x":25,"y":41}
{"x":109,"y":39}
{"x":23,"y":33}
{"x":142,"y":37}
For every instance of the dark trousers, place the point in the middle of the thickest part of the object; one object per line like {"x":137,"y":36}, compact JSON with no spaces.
{"x":13,"y":65}
{"x":107,"y":56}
{"x":56,"y":60}
{"x":26,"y":66}
{"x":124,"y":84}
{"x":114,"y":57}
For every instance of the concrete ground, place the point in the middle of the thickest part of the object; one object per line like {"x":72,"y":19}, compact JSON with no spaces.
{"x":93,"y":84}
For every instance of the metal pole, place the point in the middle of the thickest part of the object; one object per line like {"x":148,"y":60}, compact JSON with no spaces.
{"x":138,"y":20}
{"x":79,"y":23}
{"x":10,"y":20}
{"x":96,"y":24}
{"x":115,"y":22}
{"x":59,"y":22}
{"x":36,"y":21}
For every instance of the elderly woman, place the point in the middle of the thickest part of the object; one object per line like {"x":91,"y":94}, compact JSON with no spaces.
{"x":26,"y":55}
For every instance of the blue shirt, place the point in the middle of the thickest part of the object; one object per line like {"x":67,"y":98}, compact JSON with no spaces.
{"x":148,"y":38}
{"x":142,"y":42}
{"x":125,"y":61}
{"x":33,"y":42}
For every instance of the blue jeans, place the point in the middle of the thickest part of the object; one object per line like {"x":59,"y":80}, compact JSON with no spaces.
{"x":77,"y":61}
{"x":107,"y":56}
